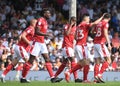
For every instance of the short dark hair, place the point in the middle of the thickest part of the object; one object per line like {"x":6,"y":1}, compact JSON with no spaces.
{"x":44,"y":10}
{"x":85,"y":15}
{"x":107,"y":16}
{"x":73,"y":17}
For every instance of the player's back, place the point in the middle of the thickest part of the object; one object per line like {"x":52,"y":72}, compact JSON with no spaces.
{"x":100,"y":37}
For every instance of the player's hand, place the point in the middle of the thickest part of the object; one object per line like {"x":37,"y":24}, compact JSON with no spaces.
{"x":109,"y":47}
{"x":50,"y":35}
{"x":72,"y":23}
{"x":104,"y":14}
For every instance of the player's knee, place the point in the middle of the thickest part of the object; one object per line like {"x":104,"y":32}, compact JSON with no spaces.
{"x":31,"y":59}
{"x":14,"y":61}
{"x":97,"y":61}
{"x":72,"y":59}
{"x":84,"y":62}
{"x":25,"y":59}
{"x":109,"y":61}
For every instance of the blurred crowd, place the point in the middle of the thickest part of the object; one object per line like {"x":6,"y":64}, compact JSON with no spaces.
{"x":15,"y":16}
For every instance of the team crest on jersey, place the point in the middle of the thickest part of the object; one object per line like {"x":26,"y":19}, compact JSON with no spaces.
{"x":39,"y":23}
{"x":28,"y":31}
{"x":66,"y":27}
{"x":107,"y":25}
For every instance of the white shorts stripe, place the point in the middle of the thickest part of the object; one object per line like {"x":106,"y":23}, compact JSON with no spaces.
{"x":80,"y":53}
{"x":20,"y":52}
{"x":68,"y":52}
{"x":101,"y":51}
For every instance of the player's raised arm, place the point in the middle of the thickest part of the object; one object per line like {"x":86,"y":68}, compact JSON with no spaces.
{"x":97,"y":21}
{"x":72,"y":23}
{"x":76,"y":33}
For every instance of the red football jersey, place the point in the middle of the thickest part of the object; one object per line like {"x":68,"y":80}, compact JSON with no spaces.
{"x":68,"y":39}
{"x":82,"y":33}
{"x":99,"y":37}
{"x":42,"y":24}
{"x":30,"y":33}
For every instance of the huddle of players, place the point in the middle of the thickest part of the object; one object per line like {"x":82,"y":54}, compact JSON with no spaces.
{"x":32,"y":41}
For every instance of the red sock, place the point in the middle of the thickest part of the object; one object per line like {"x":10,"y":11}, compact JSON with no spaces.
{"x":9,"y":67}
{"x":104,"y":67}
{"x":78,"y":66}
{"x":96,"y":69}
{"x":85,"y":72}
{"x":26,"y":68}
{"x":73,"y":64}
{"x":62,"y":66}
{"x":49,"y":68}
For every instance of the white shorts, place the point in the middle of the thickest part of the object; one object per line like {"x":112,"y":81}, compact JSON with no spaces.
{"x":101,"y":50}
{"x":38,"y":49}
{"x":68,"y":52}
{"x":21,"y":60}
{"x":20,"y":52}
{"x":81,"y":52}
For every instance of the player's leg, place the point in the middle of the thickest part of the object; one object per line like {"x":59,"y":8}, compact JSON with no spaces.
{"x":68,"y":53}
{"x":78,"y":50}
{"x":96,"y":69}
{"x":97,"y":60}
{"x":86,"y":67}
{"x":26,"y":68}
{"x":28,"y":64}
{"x":13,"y":63}
{"x":75,"y":74}
{"x":18,"y":68}
{"x":8,"y":68}
{"x":107,"y":60}
{"x":62,"y":66}
{"x":48,"y":64}
{"x":70,"y":56}
{"x":105,"y":65}
{"x":105,"y":56}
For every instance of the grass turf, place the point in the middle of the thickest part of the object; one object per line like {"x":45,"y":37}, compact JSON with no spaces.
{"x":47,"y":83}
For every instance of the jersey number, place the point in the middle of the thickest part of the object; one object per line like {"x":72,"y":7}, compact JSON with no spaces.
{"x":98,"y":32}
{"x":80,"y":34}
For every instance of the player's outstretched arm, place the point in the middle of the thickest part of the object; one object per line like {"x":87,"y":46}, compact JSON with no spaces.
{"x":97,"y":21}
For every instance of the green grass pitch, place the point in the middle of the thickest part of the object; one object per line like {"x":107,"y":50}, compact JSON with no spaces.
{"x":48,"y":83}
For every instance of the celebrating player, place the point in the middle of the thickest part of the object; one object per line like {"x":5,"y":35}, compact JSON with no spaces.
{"x":81,"y":48}
{"x":21,"y":49}
{"x":101,"y":50}
{"x":68,"y":51}
{"x":39,"y":47}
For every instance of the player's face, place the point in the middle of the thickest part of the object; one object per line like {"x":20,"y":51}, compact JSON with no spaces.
{"x":34,"y":22}
{"x":108,"y":19}
{"x":87,"y":19}
{"x":47,"y":14}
